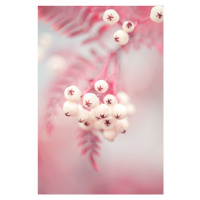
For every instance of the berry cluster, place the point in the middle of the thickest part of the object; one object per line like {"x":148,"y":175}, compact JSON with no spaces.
{"x":106,"y":114}
{"x":121,"y":37}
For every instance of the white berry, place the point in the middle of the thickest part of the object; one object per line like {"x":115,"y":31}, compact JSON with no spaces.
{"x":98,"y":125}
{"x":90,"y":100}
{"x":123,"y":98}
{"x":122,"y":125}
{"x":110,"y":100}
{"x":70,"y":108}
{"x":93,"y":115}
{"x":72,"y":93}
{"x":128,"y":26}
{"x":102,"y":111}
{"x":86,"y":126}
{"x":156,"y":14}
{"x":108,"y":123}
{"x":101,"y":86}
{"x":121,"y":37}
{"x":110,"y":135}
{"x":110,"y":17}
{"x":119,"y":111}
{"x":84,"y":115}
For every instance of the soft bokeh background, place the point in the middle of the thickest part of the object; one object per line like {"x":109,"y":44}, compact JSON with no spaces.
{"x":133,"y":163}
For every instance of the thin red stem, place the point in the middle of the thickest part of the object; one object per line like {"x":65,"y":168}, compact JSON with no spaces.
{"x":115,"y":77}
{"x":105,"y":72}
{"x":120,"y":22}
{"x":99,"y":75}
{"x":109,"y":76}
{"x":140,"y":21}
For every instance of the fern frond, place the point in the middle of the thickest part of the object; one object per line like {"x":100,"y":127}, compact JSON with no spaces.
{"x":56,"y":90}
{"x":89,"y":143}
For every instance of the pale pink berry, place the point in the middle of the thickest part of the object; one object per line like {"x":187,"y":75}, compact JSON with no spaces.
{"x":98,"y":125}
{"x":83,"y":116}
{"x":110,"y":100}
{"x":90,"y":100}
{"x":110,"y":135}
{"x":108,"y":123}
{"x":123,"y":98}
{"x":121,"y":37}
{"x":101,"y":86}
{"x":93,"y":115}
{"x":70,"y":108}
{"x":102,"y":111}
{"x":130,"y":108}
{"x":72,"y":93}
{"x":156,"y":14}
{"x":119,"y":111}
{"x":86,"y":126}
{"x":122,"y":125}
{"x":80,"y":107}
{"x":128,"y":26}
{"x":110,"y":17}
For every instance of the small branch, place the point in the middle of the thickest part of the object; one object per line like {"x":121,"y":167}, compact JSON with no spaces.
{"x":115,"y":77}
{"x":98,"y":76}
{"x":109,"y":76}
{"x":105,"y":72}
{"x":120,"y":23}
{"x":140,"y":21}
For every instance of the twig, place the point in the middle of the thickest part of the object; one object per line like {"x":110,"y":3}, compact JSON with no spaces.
{"x":98,"y":76}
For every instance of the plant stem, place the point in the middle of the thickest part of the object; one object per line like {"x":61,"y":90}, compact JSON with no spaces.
{"x":140,"y":21}
{"x":98,"y":75}
{"x":115,"y":77}
{"x":109,"y":76}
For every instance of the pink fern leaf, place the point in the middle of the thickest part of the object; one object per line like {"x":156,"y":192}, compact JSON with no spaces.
{"x":55,"y":94}
{"x":103,"y":29}
{"x":89,"y":143}
{"x":94,"y":164}
{"x":96,"y":152}
{"x":94,"y":19}
{"x":77,"y":31}
{"x":90,"y":39}
{"x":70,"y":20}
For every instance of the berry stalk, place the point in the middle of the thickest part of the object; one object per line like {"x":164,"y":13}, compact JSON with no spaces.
{"x":98,"y":75}
{"x":142,"y":20}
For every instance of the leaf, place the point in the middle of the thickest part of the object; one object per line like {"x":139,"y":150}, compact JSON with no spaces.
{"x":103,"y":29}
{"x":90,"y":39}
{"x":94,"y":164}
{"x":88,"y":141}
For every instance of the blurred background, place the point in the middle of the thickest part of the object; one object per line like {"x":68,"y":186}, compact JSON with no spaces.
{"x":133,"y":163}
